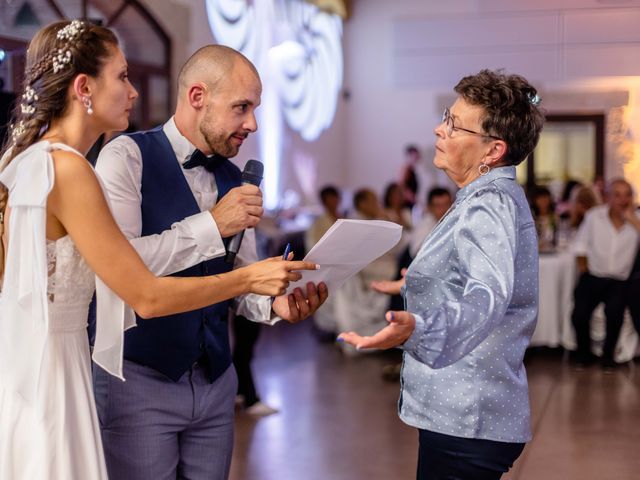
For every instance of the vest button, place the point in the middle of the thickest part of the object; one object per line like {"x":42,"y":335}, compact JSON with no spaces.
{"x":202,"y":346}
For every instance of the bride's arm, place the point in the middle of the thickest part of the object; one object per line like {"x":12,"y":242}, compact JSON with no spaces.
{"x":77,"y":201}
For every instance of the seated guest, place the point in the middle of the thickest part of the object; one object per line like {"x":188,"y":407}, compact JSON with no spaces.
{"x":544,"y":215}
{"x":582,"y":200}
{"x":367,"y":206}
{"x":324,"y":318}
{"x":605,"y":247}
{"x":358,"y":306}
{"x":330,"y":199}
{"x":394,"y":207}
{"x":564,"y":204}
{"x":438,"y":202}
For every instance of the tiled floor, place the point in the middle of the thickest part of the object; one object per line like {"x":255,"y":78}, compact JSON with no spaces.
{"x":338,"y":418}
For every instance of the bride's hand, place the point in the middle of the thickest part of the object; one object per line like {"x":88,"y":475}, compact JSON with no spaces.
{"x":272,"y":276}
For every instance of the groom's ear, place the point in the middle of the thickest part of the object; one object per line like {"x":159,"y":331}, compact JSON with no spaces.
{"x":197,"y":95}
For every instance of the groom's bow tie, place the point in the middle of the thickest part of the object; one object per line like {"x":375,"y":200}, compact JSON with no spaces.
{"x":199,"y":159}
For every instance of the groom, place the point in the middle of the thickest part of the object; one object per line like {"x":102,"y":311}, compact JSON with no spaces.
{"x":178,"y":199}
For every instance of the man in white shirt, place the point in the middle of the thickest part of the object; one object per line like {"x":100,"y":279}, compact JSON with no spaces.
{"x":177,"y":197}
{"x":605,"y":249}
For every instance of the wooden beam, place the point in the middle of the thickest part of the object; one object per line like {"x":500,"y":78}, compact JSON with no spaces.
{"x":57,"y":9}
{"x":117,"y":13}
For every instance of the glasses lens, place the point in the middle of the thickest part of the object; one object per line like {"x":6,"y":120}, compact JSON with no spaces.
{"x":448,"y":121}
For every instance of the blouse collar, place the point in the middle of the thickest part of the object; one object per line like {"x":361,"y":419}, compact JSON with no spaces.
{"x":508,"y":172}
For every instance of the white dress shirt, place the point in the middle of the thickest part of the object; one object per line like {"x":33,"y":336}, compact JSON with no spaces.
{"x":189,"y":241}
{"x":610,"y":251}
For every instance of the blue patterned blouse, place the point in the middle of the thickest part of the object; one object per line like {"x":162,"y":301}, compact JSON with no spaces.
{"x":473,"y":289}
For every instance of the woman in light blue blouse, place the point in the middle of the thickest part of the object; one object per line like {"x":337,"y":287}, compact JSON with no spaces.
{"x":471,"y":294}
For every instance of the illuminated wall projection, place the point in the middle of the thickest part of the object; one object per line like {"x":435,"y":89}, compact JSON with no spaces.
{"x":298,"y":52}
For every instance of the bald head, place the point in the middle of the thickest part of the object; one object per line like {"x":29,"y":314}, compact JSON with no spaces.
{"x":620,"y":183}
{"x":209,"y":65}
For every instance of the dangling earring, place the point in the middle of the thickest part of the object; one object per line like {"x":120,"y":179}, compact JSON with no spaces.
{"x":86,"y":101}
{"x":483,"y":169}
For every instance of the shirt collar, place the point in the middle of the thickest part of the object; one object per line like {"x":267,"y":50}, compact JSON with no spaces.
{"x":508,"y":172}
{"x":182,"y":147}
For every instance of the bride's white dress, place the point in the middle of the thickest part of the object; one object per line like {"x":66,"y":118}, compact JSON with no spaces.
{"x":58,"y":436}
{"x":48,"y":424}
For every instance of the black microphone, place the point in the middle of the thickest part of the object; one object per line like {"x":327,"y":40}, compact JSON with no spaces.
{"x":251,"y":175}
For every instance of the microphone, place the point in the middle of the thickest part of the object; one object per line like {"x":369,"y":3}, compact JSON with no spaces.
{"x":251,"y":175}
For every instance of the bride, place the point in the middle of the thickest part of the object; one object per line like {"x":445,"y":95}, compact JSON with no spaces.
{"x":58,"y":231}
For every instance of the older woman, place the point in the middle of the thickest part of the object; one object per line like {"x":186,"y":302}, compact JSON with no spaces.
{"x":471,"y":294}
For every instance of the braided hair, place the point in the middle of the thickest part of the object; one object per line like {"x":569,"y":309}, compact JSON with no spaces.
{"x":56,"y":55}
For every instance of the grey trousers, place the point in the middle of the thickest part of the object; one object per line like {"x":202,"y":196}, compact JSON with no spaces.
{"x":157,"y":429}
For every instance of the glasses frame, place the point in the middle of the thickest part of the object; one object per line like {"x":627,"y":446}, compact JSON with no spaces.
{"x":447,"y":119}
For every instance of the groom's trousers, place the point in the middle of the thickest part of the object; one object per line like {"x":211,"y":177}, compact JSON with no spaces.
{"x":155,"y":428}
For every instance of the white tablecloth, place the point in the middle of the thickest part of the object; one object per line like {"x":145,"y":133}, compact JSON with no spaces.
{"x":554,"y":329}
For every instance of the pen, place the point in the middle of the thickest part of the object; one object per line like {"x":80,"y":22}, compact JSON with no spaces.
{"x":287,"y":251}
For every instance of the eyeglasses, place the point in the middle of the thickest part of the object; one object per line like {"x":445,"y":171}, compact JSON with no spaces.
{"x":447,"y":119}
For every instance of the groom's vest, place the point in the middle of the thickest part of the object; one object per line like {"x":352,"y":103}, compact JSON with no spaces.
{"x":172,"y":344}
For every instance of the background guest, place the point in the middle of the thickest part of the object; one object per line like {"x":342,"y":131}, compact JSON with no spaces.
{"x":245,"y":335}
{"x":358,"y":306}
{"x":324,"y":319}
{"x":582,"y":200}
{"x":395,"y":208}
{"x":633,"y":284}
{"x":605,"y":248}
{"x":564,"y":203}
{"x":330,"y":198}
{"x":438,"y":202}
{"x":409,"y":177}
{"x":544,"y":215}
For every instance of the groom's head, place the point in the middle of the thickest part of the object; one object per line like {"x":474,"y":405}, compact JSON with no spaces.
{"x":218,"y":92}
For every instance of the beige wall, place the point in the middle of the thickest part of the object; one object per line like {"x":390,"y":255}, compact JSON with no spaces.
{"x":402,"y":59}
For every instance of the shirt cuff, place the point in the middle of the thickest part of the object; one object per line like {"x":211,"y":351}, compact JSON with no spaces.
{"x":256,"y":308}
{"x":413,"y":342}
{"x":206,"y":234}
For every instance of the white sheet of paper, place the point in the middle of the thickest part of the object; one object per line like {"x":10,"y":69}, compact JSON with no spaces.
{"x":346,"y":248}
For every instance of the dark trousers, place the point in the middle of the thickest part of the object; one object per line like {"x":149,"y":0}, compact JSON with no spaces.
{"x":246,"y":335}
{"x":589,"y":293}
{"x":633,"y":302}
{"x":444,"y":457}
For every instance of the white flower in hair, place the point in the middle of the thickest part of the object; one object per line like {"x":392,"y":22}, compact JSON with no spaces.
{"x":71,"y":31}
{"x":17,"y":131}
{"x":29,"y":97}
{"x":67,"y":35}
{"x":61,"y":60}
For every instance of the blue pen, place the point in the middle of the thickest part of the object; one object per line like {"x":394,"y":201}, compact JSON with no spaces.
{"x":287,"y":251}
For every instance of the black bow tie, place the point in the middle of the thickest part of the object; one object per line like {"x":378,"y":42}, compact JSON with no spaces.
{"x":199,"y":159}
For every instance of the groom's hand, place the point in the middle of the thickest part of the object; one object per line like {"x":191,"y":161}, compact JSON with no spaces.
{"x":239,"y":209}
{"x":296,"y":307}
